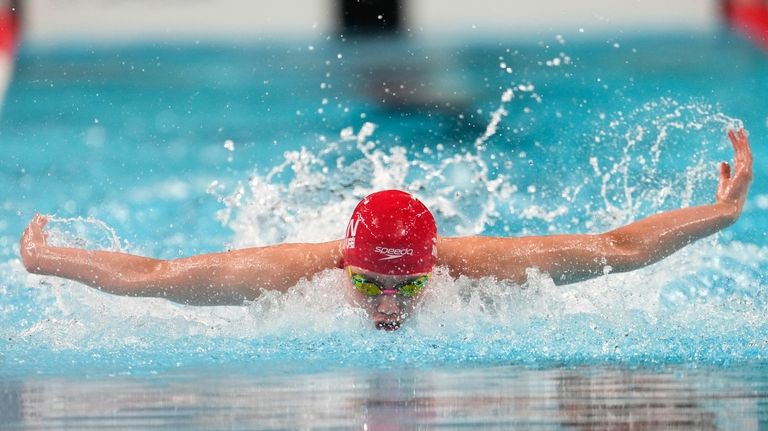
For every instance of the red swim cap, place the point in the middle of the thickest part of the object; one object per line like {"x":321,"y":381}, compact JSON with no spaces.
{"x":391,"y":232}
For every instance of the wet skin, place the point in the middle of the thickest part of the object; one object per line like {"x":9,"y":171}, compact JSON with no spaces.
{"x":389,"y":310}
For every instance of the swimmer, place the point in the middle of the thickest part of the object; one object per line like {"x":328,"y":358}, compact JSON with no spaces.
{"x":388,"y":253}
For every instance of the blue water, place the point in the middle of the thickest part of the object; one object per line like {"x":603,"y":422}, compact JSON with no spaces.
{"x":171,"y":150}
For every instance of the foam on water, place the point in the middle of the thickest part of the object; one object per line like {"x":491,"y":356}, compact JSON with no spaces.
{"x":704,"y":304}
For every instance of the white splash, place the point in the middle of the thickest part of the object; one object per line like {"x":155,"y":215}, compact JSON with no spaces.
{"x":496,"y":117}
{"x":671,"y":308}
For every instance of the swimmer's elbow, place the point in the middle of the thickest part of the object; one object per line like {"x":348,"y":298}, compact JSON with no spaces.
{"x":146,"y":278}
{"x":624,"y":253}
{"x":184,"y":281}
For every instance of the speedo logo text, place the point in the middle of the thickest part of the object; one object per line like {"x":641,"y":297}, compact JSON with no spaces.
{"x":393,"y":253}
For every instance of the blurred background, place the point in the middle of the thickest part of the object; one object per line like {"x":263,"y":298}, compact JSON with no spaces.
{"x":51,"y":21}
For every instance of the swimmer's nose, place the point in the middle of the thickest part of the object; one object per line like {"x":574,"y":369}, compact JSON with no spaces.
{"x":388,"y":305}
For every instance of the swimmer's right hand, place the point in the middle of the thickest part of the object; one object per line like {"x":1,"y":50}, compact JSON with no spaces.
{"x":33,"y":242}
{"x":734,"y":185}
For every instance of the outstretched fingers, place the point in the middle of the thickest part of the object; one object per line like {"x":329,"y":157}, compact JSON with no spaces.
{"x":743,"y":154}
{"x":33,"y":242}
{"x":725,"y":179}
{"x":35,"y":233}
{"x":40,"y":220}
{"x":734,"y":183}
{"x":725,"y":171}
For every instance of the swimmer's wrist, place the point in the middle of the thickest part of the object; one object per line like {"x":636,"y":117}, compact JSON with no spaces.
{"x":34,"y":260}
{"x":729,"y":210}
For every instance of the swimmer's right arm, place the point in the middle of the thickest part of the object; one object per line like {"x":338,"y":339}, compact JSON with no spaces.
{"x":573,"y":258}
{"x":226,"y":278}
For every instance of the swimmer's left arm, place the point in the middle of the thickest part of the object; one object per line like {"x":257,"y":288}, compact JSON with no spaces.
{"x":573,"y":258}
{"x":226,"y":278}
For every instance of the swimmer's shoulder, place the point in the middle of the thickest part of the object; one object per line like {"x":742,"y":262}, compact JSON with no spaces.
{"x":482,"y":256}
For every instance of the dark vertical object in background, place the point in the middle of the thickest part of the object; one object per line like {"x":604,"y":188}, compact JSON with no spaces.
{"x":16,"y":13}
{"x":369,"y":17}
{"x":399,"y":85}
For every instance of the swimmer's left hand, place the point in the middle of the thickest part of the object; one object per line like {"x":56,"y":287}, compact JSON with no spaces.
{"x":33,"y":241}
{"x":733,"y":187}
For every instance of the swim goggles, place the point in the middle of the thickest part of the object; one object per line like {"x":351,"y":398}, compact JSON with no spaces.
{"x":407,"y":289}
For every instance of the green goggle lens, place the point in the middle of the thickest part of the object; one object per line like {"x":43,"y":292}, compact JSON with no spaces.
{"x":408,"y":289}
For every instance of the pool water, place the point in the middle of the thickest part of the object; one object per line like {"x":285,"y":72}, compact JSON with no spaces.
{"x":498,"y":397}
{"x":170,"y":150}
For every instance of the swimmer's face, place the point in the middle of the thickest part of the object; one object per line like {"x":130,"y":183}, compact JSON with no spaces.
{"x":387,"y":310}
